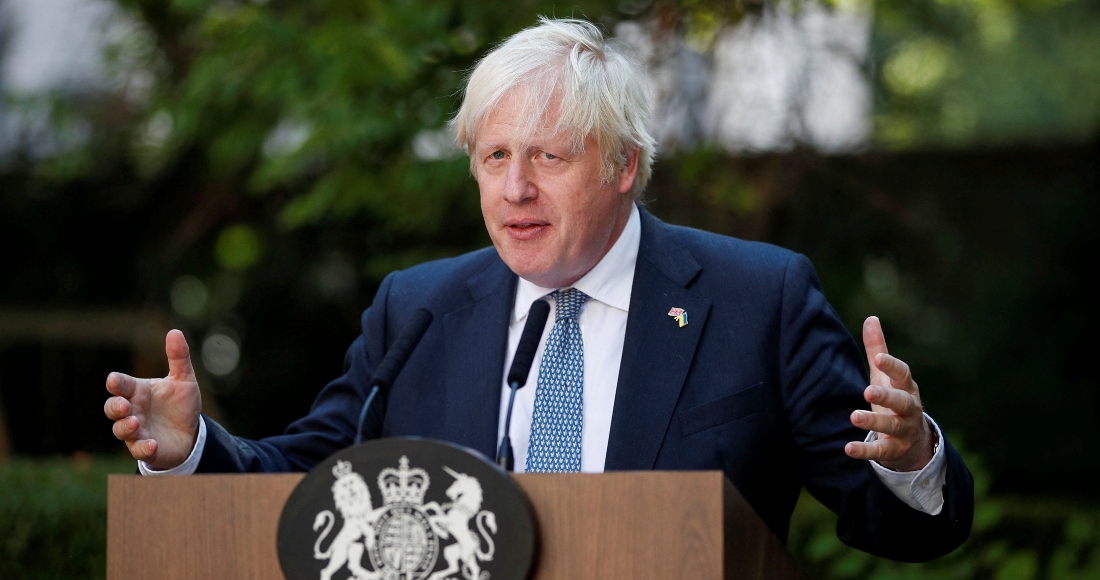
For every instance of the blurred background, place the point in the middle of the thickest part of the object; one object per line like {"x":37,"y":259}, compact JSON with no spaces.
{"x":248,"y":171}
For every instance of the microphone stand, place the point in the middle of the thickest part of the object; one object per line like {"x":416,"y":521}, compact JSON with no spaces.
{"x":504,"y":457}
{"x":394,"y":361}
{"x":517,"y":375}
{"x":363,"y":414}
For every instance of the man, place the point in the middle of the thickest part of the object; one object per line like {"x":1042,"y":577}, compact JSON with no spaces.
{"x":670,"y":348}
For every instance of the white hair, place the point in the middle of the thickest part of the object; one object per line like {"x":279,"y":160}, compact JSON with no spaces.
{"x":598,"y":89}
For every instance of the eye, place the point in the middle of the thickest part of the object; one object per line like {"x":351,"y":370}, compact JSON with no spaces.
{"x":548,"y":155}
{"x":497,"y":155}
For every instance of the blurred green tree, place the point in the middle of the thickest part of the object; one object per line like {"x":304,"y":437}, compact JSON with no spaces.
{"x":338,"y":107}
{"x":982,"y":72}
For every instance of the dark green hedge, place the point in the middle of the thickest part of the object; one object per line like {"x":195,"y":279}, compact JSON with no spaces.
{"x":1014,"y":538}
{"x":53,"y":516}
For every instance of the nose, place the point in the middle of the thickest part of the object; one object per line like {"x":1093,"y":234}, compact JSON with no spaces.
{"x":517,"y":185}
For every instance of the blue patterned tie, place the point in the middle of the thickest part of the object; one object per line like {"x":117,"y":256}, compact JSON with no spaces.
{"x":559,"y":407}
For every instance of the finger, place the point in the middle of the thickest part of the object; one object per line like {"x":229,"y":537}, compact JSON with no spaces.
{"x":900,"y":375}
{"x":121,"y":385}
{"x":891,"y":425}
{"x":879,"y":422}
{"x":116,"y":408}
{"x":179,"y":356}
{"x":874,"y":342}
{"x":879,"y":450}
{"x":143,"y":449}
{"x":125,"y":428}
{"x":898,"y":401}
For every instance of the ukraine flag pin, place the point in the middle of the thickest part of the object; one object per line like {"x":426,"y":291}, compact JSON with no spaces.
{"x":680,"y":315}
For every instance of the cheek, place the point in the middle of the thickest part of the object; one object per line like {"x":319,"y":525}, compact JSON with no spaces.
{"x":488,"y":191}
{"x":599,"y":206}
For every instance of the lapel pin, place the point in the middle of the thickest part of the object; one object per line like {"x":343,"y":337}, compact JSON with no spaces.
{"x":680,"y":315}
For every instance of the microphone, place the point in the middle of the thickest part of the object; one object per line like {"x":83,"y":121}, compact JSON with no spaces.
{"x":394,"y":361}
{"x":517,"y":374}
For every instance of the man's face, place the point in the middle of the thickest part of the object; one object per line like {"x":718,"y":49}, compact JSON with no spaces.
{"x":549,"y":213}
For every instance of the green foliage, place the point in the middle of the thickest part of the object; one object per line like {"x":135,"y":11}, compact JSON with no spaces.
{"x":717,"y":184}
{"x":338,"y":107}
{"x":325,"y":99}
{"x":53,"y":517}
{"x":1012,"y":538}
{"x":959,"y":72}
{"x":238,"y":247}
{"x":327,"y":104}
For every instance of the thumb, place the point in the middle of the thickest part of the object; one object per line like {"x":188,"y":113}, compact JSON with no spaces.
{"x":179,"y":356}
{"x":874,"y":342}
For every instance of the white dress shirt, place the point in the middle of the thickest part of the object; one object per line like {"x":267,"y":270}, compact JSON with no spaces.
{"x":603,"y":329}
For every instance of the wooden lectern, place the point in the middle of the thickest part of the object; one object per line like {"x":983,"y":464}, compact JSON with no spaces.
{"x":660,"y":525}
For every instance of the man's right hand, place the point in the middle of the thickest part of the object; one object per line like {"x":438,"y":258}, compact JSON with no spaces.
{"x":158,"y":419}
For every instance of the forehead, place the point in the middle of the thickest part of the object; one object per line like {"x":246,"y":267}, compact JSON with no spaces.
{"x":519,"y":120}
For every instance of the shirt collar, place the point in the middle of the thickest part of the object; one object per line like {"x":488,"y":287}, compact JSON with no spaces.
{"x":609,"y":282}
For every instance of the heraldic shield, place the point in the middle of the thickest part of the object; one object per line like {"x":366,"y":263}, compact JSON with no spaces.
{"x":406,"y":509}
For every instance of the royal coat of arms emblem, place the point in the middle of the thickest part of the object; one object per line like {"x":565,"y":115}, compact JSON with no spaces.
{"x":402,"y":537}
{"x":406,"y":509}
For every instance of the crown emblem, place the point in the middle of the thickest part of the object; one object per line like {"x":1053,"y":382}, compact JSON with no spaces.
{"x":403,"y":485}
{"x":341,"y":469}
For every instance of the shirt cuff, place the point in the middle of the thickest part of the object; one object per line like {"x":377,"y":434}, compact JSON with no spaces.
{"x":921,"y":490}
{"x":189,"y":465}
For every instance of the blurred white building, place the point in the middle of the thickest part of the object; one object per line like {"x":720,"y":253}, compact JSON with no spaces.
{"x":50,"y":47}
{"x":775,"y":80}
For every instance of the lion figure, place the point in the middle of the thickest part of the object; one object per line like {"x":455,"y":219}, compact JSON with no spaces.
{"x":352,"y":498}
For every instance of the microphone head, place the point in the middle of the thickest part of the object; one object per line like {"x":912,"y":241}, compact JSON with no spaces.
{"x":401,"y":349}
{"x":528,"y":342}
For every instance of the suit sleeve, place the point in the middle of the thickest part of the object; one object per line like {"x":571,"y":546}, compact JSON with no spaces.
{"x":331,"y":422}
{"x":822,"y":373}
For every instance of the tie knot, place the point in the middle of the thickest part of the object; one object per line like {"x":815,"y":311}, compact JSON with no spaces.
{"x":569,"y":302}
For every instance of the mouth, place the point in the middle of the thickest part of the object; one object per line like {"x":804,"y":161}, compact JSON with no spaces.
{"x":525,"y":229}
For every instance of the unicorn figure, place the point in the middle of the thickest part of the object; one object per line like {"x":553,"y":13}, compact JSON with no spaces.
{"x":453,"y":519}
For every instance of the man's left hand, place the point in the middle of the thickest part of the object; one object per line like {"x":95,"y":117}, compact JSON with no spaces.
{"x":905,"y":440}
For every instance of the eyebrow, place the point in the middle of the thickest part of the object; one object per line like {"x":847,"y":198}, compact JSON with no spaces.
{"x":508,"y":146}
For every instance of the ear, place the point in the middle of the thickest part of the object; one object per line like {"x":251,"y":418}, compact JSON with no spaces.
{"x":629,"y":171}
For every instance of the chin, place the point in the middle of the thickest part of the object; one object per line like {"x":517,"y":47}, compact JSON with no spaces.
{"x":532,"y":273}
{"x":529,"y":273}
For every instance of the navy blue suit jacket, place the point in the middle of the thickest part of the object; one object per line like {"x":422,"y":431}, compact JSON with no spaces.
{"x":760,"y":384}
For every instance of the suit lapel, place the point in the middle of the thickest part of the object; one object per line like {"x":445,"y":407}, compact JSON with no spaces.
{"x":476,"y":338}
{"x":657,"y":352}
